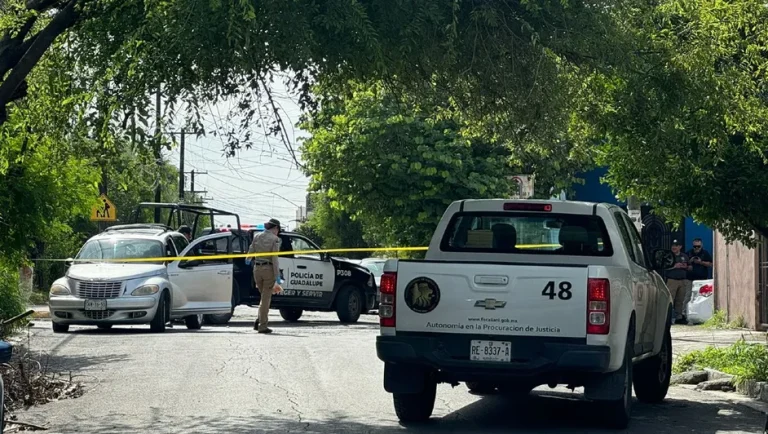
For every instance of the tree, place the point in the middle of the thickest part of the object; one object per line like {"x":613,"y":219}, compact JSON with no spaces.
{"x":395,"y":167}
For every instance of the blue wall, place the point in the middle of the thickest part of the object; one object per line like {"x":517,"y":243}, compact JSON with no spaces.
{"x":594,"y":191}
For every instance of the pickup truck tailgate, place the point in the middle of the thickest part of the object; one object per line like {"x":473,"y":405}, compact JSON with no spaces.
{"x":492,"y":299}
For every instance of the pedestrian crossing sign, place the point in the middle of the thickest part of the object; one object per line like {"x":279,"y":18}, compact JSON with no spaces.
{"x":104,"y":210}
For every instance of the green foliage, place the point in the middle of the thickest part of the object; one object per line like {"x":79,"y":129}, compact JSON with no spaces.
{"x":746,"y":361}
{"x":11,"y":301}
{"x":720,"y":321}
{"x":395,"y":167}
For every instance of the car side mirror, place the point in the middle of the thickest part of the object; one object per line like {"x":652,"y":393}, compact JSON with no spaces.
{"x":662,"y":259}
{"x":69,"y":261}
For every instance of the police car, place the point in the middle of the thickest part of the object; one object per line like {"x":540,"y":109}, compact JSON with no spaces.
{"x":311,"y":281}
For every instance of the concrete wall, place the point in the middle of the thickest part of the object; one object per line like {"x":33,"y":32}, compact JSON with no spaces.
{"x":735,"y":280}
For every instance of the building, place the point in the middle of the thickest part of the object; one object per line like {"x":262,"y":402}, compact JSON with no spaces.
{"x":741,"y":281}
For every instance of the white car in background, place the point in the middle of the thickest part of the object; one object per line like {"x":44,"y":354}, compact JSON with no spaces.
{"x":702,"y":304}
{"x":100,"y":290}
{"x":376,"y":265}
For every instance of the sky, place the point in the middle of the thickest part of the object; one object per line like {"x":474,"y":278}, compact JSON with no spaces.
{"x":259,"y":183}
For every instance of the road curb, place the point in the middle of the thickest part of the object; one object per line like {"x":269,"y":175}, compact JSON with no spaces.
{"x":731,"y":397}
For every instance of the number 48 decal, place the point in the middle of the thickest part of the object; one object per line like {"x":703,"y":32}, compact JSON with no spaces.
{"x":564,"y":292}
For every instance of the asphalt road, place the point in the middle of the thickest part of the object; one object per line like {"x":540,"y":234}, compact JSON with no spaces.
{"x":316,"y":376}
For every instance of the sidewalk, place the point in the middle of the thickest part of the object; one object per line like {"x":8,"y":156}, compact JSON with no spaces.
{"x":41,"y":311}
{"x":691,"y":338}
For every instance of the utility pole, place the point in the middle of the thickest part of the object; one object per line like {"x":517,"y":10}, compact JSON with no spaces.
{"x":192,"y":190}
{"x":181,"y":169}
{"x":158,"y":157}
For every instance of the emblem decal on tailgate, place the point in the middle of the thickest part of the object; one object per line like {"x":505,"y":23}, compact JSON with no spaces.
{"x":490,"y":303}
{"x":422,"y":295}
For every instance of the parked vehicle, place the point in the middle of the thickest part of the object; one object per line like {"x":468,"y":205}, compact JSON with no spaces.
{"x":515,"y":294}
{"x":6,"y":351}
{"x":313,"y":282}
{"x":102,"y":287}
{"x":702,"y":305}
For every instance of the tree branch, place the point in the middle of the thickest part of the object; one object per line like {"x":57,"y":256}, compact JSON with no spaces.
{"x":65,"y":19}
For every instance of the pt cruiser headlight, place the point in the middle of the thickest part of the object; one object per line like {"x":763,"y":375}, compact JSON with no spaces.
{"x":146,"y":290}
{"x":57,"y":289}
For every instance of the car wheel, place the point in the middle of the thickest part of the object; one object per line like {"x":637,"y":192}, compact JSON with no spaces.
{"x":194,"y":322}
{"x":652,"y":376}
{"x":59,"y":328}
{"x":618,"y":412}
{"x":157,"y":325}
{"x":291,"y":315}
{"x":349,"y":304}
{"x":480,"y":388}
{"x":104,"y":326}
{"x":416,"y":407}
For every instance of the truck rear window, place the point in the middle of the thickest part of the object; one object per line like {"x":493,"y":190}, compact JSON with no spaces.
{"x":529,"y":233}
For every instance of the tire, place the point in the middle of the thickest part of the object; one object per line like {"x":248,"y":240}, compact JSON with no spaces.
{"x":652,"y":376}
{"x":349,"y":304}
{"x":194,"y":322}
{"x":104,"y":326}
{"x":161,"y":318}
{"x":291,"y":315}
{"x":618,"y":412}
{"x":480,"y":388}
{"x":416,"y":407}
{"x":224,"y":318}
{"x":59,"y":328}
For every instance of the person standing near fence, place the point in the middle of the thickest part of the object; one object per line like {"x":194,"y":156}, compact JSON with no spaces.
{"x":266,"y":270}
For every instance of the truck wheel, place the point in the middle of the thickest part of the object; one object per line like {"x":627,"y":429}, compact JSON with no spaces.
{"x":291,"y":315}
{"x":349,"y":304}
{"x":618,"y":412}
{"x":194,"y":322}
{"x":59,"y":328}
{"x":416,"y":407}
{"x":157,"y":325}
{"x":652,"y":376}
{"x":480,"y":388}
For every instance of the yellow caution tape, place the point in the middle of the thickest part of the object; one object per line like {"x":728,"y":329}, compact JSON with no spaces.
{"x":256,"y":255}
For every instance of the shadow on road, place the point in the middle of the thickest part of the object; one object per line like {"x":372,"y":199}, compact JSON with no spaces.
{"x":305,"y":324}
{"x":541,"y":413}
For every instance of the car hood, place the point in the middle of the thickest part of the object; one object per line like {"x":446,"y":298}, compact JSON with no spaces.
{"x":106,"y":271}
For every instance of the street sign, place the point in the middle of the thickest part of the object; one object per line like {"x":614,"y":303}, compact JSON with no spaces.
{"x":524,"y":186}
{"x":104,"y":210}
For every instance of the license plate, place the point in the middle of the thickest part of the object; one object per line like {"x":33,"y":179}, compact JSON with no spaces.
{"x":490,"y":351}
{"x":95,"y":304}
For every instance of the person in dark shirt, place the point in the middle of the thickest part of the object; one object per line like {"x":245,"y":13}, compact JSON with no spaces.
{"x":701,"y":262}
{"x":677,"y":280}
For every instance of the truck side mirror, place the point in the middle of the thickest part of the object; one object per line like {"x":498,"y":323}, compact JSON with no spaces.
{"x":662,"y":259}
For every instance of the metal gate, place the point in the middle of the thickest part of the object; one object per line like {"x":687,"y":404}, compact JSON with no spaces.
{"x":657,"y":233}
{"x":762,"y":281}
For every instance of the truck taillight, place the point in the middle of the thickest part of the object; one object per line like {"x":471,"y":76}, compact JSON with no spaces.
{"x":387,"y":299}
{"x":598,"y":306}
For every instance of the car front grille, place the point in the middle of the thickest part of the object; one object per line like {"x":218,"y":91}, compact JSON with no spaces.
{"x":98,"y":289}
{"x":98,"y":314}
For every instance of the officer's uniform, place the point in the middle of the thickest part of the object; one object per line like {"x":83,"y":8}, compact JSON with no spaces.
{"x":266,"y":270}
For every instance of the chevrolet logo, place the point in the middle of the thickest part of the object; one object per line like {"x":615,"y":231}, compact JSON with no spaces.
{"x":490,"y":304}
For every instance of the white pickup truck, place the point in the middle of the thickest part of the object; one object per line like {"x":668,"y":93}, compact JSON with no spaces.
{"x":516,"y":294}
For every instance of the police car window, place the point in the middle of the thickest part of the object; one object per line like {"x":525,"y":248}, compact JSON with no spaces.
{"x":527,"y":233}
{"x":286,"y":245}
{"x":302,"y":245}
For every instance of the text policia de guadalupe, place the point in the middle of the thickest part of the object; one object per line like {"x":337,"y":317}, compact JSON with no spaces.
{"x":306,"y":279}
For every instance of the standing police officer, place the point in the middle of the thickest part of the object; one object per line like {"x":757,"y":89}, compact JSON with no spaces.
{"x":266,"y":271}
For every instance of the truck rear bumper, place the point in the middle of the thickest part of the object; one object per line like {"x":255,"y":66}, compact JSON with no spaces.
{"x":534,"y":360}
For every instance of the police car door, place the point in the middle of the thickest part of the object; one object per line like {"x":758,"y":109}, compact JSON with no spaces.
{"x":312,"y":275}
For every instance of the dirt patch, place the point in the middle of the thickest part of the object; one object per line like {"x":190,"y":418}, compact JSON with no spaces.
{"x":30,"y":381}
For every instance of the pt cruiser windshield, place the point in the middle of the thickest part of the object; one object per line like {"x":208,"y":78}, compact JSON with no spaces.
{"x":121,"y":248}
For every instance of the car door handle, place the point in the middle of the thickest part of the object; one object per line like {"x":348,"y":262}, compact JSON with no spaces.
{"x":301,"y":267}
{"x":223,"y":272}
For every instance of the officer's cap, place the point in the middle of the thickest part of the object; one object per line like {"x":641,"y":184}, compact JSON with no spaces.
{"x":272,"y":223}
